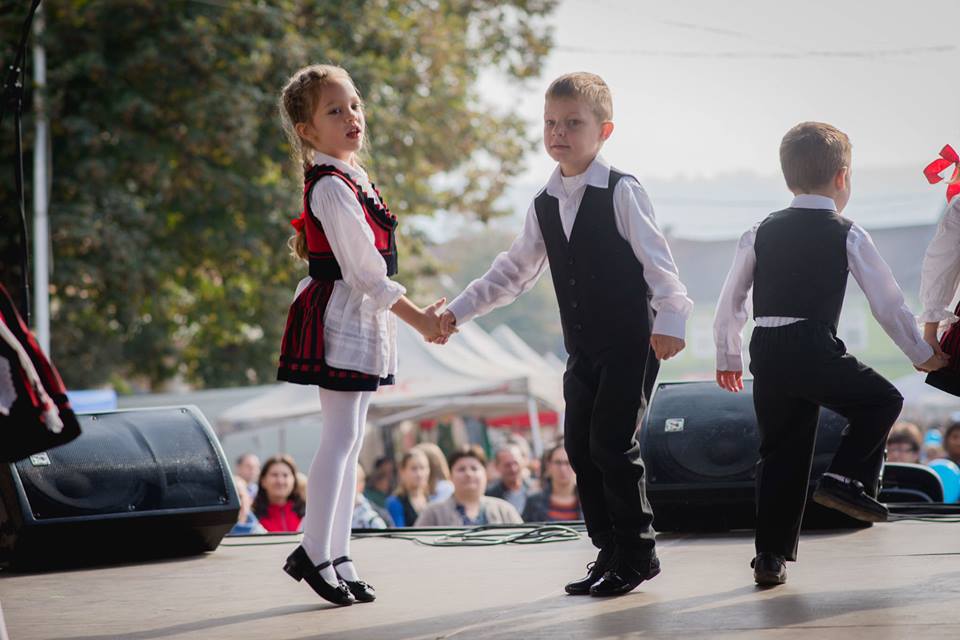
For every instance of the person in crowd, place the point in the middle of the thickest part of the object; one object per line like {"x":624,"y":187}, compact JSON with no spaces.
{"x":796,"y":262}
{"x":367,"y":515}
{"x":440,"y":486}
{"x":904,"y":442}
{"x":247,"y":523}
{"x":512,"y":485}
{"x":468,"y":506}
{"x":932,"y":445}
{"x":558,"y":499}
{"x":381,"y":482}
{"x":413,"y":489}
{"x":527,"y":460}
{"x":951,"y":442}
{"x":248,"y":468}
{"x":278,"y":505}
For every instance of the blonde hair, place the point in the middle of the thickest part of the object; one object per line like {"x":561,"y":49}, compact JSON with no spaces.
{"x":439,"y":470}
{"x":811,"y":154}
{"x":585,"y":86}
{"x":298,"y":102}
{"x":401,"y":491}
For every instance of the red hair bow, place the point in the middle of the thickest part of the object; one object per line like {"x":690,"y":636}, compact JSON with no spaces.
{"x":297,"y":223}
{"x":948,"y":158}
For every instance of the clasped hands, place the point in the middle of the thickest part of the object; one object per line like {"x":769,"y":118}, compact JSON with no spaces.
{"x":436,"y":326}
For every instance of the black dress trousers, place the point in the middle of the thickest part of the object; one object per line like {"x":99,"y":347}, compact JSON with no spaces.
{"x":797,"y":369}
{"x":605,"y":399}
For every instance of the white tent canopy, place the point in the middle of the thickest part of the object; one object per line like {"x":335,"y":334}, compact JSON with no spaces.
{"x":472,"y":374}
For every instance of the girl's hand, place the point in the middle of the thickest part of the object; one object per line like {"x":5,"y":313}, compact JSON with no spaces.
{"x":930,"y":337}
{"x":429,"y":323}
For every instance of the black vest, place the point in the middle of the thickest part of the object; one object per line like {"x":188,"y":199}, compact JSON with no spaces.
{"x":801,"y":269}
{"x":604,"y":302}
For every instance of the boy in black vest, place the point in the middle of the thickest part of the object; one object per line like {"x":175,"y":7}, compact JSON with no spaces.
{"x":622,"y":308}
{"x":797,"y":262}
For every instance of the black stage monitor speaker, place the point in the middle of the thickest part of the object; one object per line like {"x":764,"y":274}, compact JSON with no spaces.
{"x":135,"y":484}
{"x":701,"y":446}
{"x":907,"y":482}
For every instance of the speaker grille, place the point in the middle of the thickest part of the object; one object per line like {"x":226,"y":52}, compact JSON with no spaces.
{"x":128,"y":463}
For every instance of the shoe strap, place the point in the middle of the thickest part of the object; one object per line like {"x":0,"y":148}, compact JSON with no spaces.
{"x":323,"y":565}
{"x":341,"y":560}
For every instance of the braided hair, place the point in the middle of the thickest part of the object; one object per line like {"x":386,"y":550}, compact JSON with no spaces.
{"x":297,"y":104}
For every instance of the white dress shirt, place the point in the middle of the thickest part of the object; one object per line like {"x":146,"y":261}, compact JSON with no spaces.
{"x":517,"y":269}
{"x":865,"y":263}
{"x":941,"y":268}
{"x":359,"y":330}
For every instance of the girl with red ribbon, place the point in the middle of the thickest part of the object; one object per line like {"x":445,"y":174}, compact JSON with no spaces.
{"x":341,"y":332}
{"x":940,"y":275}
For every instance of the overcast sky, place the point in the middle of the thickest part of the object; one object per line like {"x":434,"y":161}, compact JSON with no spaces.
{"x":704,"y":87}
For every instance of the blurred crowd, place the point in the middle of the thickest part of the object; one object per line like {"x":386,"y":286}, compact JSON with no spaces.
{"x":424,"y":487}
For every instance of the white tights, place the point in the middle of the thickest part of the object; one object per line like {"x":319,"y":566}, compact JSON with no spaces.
{"x":332,"y":480}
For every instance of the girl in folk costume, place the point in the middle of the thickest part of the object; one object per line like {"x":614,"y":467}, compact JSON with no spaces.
{"x":940,"y":275}
{"x":341,"y":334}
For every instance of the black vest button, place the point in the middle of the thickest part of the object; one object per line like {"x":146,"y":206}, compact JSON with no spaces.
{"x":570,"y":261}
{"x":578,"y":327}
{"x":574,"y":304}
{"x":573,"y":281}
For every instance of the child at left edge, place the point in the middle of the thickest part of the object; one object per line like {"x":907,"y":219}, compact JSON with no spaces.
{"x":622,"y":309}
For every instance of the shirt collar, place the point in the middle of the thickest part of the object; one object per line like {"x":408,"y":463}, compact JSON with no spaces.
{"x":597,"y":175}
{"x":813,"y":201}
{"x":349,"y":169}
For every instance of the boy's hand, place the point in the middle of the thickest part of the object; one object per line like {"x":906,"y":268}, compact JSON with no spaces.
{"x":730,"y":380}
{"x":448,"y":327}
{"x":936,"y":361}
{"x":665,"y":347}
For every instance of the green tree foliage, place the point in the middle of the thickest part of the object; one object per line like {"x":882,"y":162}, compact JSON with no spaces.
{"x":172,"y":184}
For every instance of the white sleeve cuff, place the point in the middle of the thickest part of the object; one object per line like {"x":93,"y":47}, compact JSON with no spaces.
{"x":462,"y":310}
{"x":670,"y":323}
{"x":937,"y":315}
{"x":386,"y":293}
{"x":729,"y":362}
{"x":920,"y":353}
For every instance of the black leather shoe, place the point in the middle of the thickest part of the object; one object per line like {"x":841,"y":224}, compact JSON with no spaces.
{"x":358,"y":588}
{"x":299,"y":568}
{"x":848,"y":496}
{"x":769,"y":569}
{"x":595,"y":571}
{"x":623,"y":577}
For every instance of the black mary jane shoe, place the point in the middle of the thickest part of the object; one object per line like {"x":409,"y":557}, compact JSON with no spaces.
{"x":360,"y":590}
{"x":299,"y":567}
{"x":623,"y":577}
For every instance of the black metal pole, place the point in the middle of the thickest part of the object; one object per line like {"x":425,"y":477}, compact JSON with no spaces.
{"x":13,"y":100}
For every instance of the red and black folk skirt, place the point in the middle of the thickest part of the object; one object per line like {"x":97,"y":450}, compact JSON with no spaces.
{"x":302,"y":350}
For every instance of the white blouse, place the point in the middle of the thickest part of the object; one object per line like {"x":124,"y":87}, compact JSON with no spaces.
{"x":517,"y":269}
{"x":866,"y":264}
{"x":359,"y":330}
{"x":940,"y":274}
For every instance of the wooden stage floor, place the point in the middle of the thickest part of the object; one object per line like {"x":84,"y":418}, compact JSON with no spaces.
{"x":898,"y":580}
